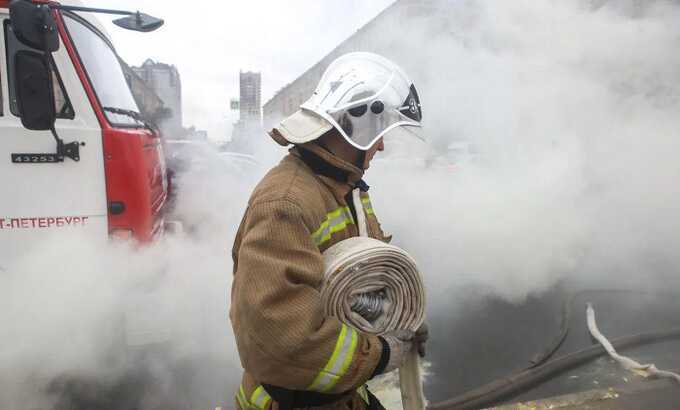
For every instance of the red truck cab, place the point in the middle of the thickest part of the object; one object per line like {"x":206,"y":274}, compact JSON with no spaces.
{"x":99,"y":166}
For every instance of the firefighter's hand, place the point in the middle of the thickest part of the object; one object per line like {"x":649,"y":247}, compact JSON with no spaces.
{"x":420,"y":339}
{"x":400,"y":342}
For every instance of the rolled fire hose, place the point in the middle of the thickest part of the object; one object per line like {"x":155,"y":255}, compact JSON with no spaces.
{"x":376,"y":287}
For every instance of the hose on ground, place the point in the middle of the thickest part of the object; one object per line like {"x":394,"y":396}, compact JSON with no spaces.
{"x":541,"y":370}
{"x":626,"y":362}
{"x":565,"y":319}
{"x":494,"y":392}
{"x":376,"y":287}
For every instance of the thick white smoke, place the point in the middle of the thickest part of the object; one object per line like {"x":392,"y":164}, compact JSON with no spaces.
{"x":92,"y":324}
{"x":572,"y":111}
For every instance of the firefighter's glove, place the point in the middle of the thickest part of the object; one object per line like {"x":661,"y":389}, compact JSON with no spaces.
{"x":400,"y":343}
{"x":420,"y":339}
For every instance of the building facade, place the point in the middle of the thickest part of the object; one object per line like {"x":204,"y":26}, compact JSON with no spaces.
{"x":250,"y":112}
{"x":150,"y":104}
{"x":250,"y":106}
{"x":165,"y":81}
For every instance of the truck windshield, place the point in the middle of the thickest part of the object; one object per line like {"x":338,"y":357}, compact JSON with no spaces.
{"x":104,"y":71}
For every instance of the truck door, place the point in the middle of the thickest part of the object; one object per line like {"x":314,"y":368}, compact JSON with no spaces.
{"x":40,"y":199}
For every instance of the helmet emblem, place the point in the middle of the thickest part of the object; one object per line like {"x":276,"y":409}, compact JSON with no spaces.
{"x":412,"y":105}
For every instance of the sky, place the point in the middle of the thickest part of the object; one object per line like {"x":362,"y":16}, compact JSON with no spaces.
{"x":211,"y":41}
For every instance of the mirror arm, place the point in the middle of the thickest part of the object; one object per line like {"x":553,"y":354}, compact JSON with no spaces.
{"x":143,"y":22}
{"x":91,"y":10}
{"x":71,"y":149}
{"x":58,"y":140}
{"x":49,"y":60}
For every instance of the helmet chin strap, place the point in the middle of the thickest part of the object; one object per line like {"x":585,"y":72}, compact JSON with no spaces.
{"x":362,"y":160}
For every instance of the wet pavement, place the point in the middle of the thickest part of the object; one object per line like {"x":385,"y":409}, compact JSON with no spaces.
{"x":481,"y":339}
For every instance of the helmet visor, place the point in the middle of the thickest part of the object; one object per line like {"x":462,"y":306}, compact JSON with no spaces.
{"x":363,"y":96}
{"x":367,"y":120}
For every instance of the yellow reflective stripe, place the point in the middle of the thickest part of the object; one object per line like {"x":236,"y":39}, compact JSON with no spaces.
{"x":368,"y":207}
{"x":335,"y":221}
{"x":363,"y":393}
{"x":348,"y":357}
{"x":241,"y":398}
{"x":339,"y":362}
{"x":243,"y":405}
{"x":260,"y":398}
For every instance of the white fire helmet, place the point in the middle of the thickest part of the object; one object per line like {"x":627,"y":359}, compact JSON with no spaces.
{"x":364,"y":96}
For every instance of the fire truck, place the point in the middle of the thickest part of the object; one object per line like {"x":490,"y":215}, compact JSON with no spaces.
{"x":75,"y":152}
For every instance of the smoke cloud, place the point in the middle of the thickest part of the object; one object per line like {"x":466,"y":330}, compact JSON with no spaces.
{"x":569,"y":115}
{"x":99,"y":324}
{"x":561,"y":120}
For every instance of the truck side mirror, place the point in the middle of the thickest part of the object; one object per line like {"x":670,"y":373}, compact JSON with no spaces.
{"x":139,"y":22}
{"x":34,"y":90}
{"x":34,"y":25}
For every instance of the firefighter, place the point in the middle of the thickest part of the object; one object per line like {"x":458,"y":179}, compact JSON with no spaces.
{"x":294,"y":356}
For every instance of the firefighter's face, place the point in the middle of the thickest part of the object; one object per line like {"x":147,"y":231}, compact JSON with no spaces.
{"x":370,"y":153}
{"x":336,"y":144}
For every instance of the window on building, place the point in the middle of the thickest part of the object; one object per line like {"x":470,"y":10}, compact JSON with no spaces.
{"x":61,"y":100}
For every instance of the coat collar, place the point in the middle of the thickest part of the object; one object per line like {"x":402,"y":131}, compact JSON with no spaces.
{"x":339,"y":175}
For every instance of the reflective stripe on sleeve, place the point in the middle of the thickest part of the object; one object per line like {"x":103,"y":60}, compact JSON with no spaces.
{"x":368,"y":207}
{"x":258,"y":400}
{"x":335,"y":221}
{"x":339,"y":362}
{"x":241,"y":398}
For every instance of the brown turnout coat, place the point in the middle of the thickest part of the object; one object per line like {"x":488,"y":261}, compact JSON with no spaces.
{"x":283,"y":338}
